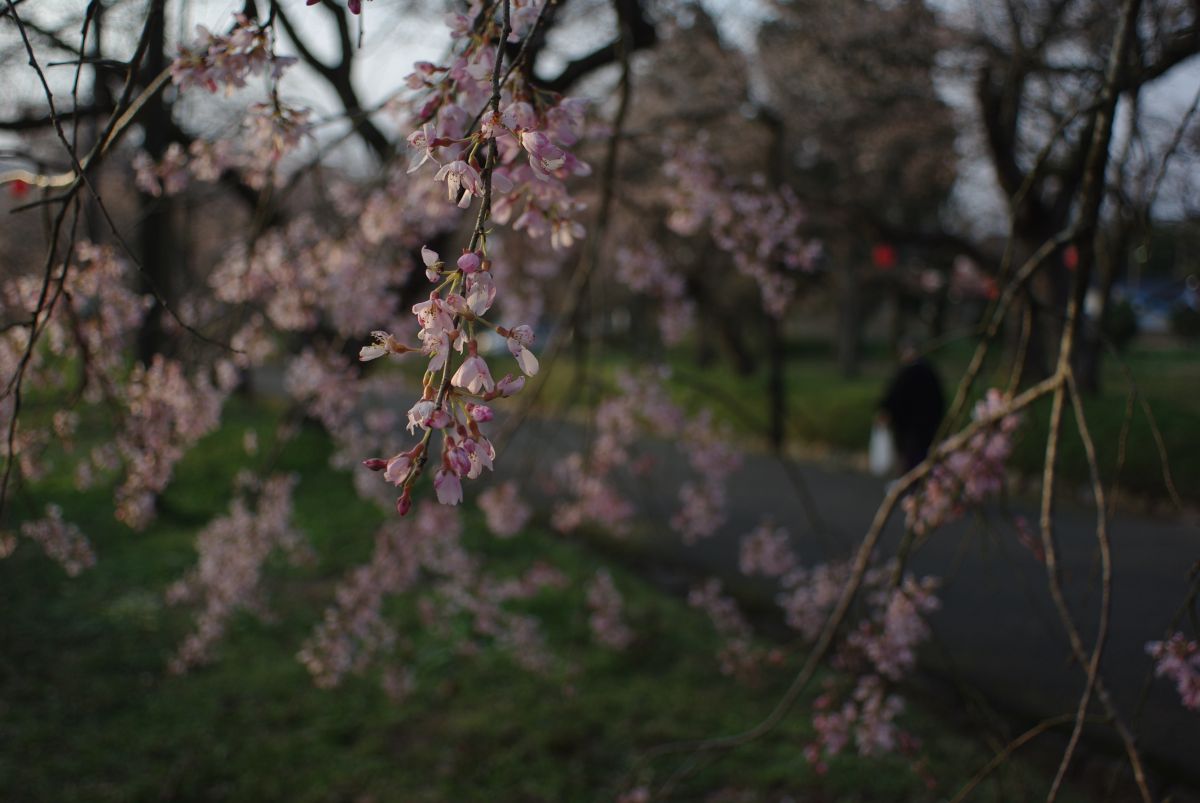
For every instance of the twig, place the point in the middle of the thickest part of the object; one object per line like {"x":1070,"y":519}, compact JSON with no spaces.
{"x":1105,"y":546}
{"x":1091,"y":194}
{"x":859,"y":567}
{"x":1004,"y":754}
{"x":573,"y":299}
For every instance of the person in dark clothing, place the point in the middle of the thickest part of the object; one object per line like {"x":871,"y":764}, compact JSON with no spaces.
{"x":913,"y":406}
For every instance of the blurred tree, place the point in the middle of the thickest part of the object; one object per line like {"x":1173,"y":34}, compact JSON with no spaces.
{"x":1039,"y":66}
{"x":869,"y":144}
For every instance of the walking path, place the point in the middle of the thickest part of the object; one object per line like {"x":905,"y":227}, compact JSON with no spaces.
{"x":997,"y":630}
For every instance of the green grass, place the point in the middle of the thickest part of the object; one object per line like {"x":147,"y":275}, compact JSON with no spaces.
{"x":89,"y":713}
{"x":826,"y":410}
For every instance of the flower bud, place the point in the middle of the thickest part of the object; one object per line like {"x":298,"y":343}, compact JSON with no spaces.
{"x":404,"y":503}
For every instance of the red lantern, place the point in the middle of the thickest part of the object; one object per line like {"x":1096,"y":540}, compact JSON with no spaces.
{"x":884,"y":256}
{"x":1070,"y":258}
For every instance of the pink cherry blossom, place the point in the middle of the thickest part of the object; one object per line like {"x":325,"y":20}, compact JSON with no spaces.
{"x":423,"y":143}
{"x":448,"y":487}
{"x":432,"y":263}
{"x":606,"y":605}
{"x":519,"y":340}
{"x":1179,"y":659}
{"x":544,"y":156}
{"x":504,"y":511}
{"x":509,"y":386}
{"x":384,"y":343}
{"x":460,"y":177}
{"x":473,"y":375}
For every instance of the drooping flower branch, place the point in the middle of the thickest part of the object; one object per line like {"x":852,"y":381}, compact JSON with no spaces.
{"x":476,"y":163}
{"x":968,"y":475}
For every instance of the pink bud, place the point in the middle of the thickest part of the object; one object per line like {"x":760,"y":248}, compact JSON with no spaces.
{"x":468,"y":262}
{"x":375,"y":463}
{"x":438,"y":420}
{"x":404,"y":503}
{"x":480,"y":412}
{"x":458,"y":460}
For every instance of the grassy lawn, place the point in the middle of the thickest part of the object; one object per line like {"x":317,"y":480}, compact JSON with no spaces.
{"x":826,"y":410}
{"x":89,"y":713}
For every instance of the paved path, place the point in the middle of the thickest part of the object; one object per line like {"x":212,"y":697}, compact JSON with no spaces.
{"x":997,"y":629}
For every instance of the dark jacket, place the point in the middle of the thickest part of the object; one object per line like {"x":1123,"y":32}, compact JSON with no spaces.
{"x":915,"y":405}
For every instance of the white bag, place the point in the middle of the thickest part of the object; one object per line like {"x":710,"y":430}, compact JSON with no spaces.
{"x":883,"y":450}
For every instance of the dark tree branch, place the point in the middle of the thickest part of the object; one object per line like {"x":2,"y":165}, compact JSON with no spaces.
{"x":642,"y":35}
{"x":310,"y":58}
{"x":339,"y":78}
{"x":46,"y":121}
{"x":1182,"y":46}
{"x":999,"y":114}
{"x":53,"y":38}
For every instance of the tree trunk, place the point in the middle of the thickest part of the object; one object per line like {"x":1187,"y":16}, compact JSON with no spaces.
{"x":155,"y":234}
{"x":776,"y":386}
{"x":1090,"y":353}
{"x":102,"y":98}
{"x":849,"y":323}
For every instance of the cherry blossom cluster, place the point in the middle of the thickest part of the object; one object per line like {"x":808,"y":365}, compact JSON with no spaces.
{"x":400,"y":211}
{"x":588,"y":497}
{"x":231,"y":552}
{"x":640,"y":410}
{"x":809,"y":593}
{"x":968,"y":475}
{"x":606,"y":605}
{"x":713,"y":458}
{"x":86,"y":327}
{"x":303,"y":275}
{"x":766,"y":551}
{"x":739,"y":655}
{"x":270,"y":132}
{"x":505,"y":512}
{"x":888,"y":638}
{"x":531,"y":130}
{"x":83,"y":318}
{"x":889,"y":631}
{"x":866,"y":719}
{"x":168,"y":412}
{"x":881,"y":650}
{"x":204,"y":160}
{"x":645,"y":270}
{"x":226,"y":61}
{"x":63,"y":542}
{"x":638,"y":794}
{"x":760,"y":227}
{"x":168,"y":177}
{"x":354,"y":634}
{"x":453,"y":404}
{"x":1178,"y":659}
{"x":90,"y":313}
{"x":271,"y":129}
{"x":489,"y":137}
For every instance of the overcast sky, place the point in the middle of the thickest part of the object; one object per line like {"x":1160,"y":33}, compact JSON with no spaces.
{"x":396,"y":34}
